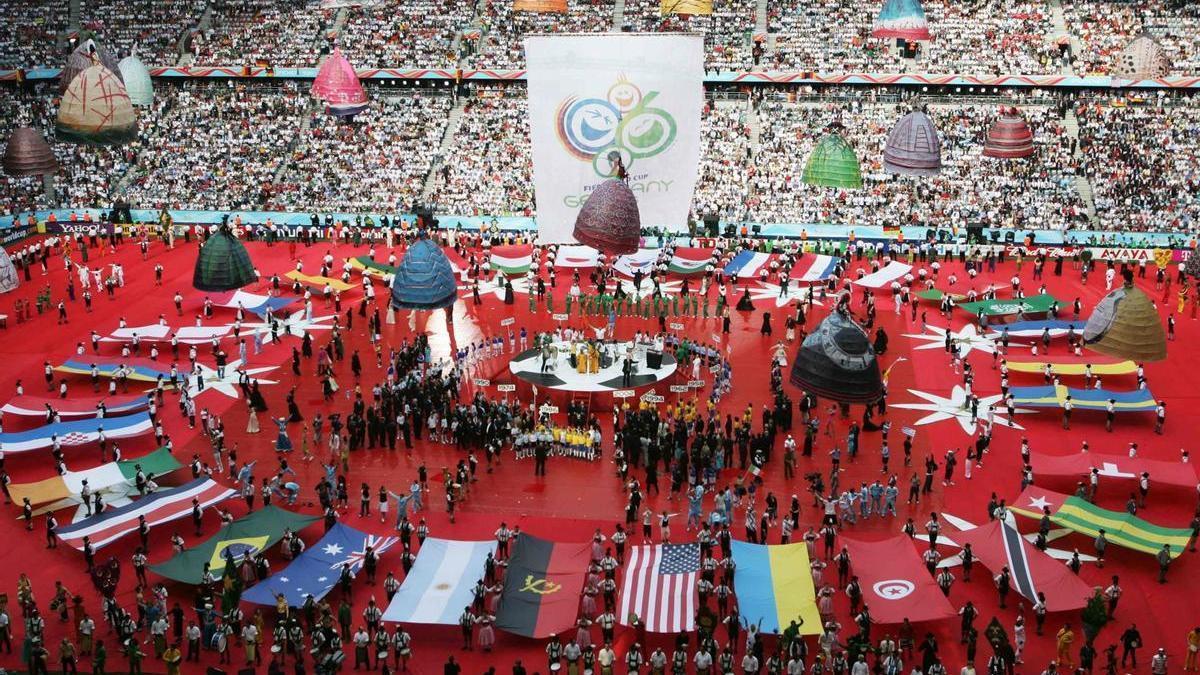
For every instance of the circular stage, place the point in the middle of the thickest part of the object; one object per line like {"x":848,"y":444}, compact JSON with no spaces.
{"x":557,"y":369}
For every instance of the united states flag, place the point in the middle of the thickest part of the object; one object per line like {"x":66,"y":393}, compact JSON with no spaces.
{"x":660,"y":587}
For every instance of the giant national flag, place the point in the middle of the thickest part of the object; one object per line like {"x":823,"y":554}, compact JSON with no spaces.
{"x":251,"y":534}
{"x":886,"y":275}
{"x":161,"y":507}
{"x":542,"y":586}
{"x":999,"y":545}
{"x":1052,"y":396}
{"x":1120,"y":528}
{"x":512,"y":260}
{"x":78,"y":432}
{"x":747,"y":263}
{"x":1078,"y":465}
{"x":316,"y":570}
{"x":1034,"y":304}
{"x":575,"y":255}
{"x":441,"y":582}
{"x":1039,"y":367}
{"x":1035,"y":329}
{"x":775,"y":587}
{"x":690,"y":260}
{"x":660,"y":587}
{"x":137,"y":369}
{"x":252,"y":302}
{"x":894,"y":582}
{"x":814,"y":268}
{"x":641,"y":261}
{"x":600,"y":101}
{"x":318,"y":281}
{"x":114,"y":481}
{"x":27,"y":405}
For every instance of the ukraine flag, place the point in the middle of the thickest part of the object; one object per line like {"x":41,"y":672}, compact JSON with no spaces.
{"x":774,"y":587}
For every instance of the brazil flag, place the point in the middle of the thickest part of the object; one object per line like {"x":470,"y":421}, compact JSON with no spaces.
{"x":542,"y":587}
{"x":252,"y":534}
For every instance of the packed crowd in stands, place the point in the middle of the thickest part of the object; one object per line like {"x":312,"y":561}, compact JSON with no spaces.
{"x":29,"y":32}
{"x":1037,"y":193}
{"x":217,"y":146}
{"x":727,"y":32}
{"x":1142,"y":164}
{"x":984,"y":37}
{"x":378,"y":162}
{"x":844,"y":37}
{"x":214,"y":145}
{"x":503,"y":30}
{"x":723,"y":184}
{"x":1106,"y":28}
{"x":408,"y":34}
{"x":488,"y":168}
{"x":246,"y":32}
{"x":151,"y":29}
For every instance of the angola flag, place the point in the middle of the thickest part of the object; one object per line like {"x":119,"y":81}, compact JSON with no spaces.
{"x":251,"y":534}
{"x":1120,"y":528}
{"x":542,"y":587}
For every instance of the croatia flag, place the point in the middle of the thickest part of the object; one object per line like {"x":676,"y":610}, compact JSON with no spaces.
{"x":77,"y":432}
{"x":815,"y":268}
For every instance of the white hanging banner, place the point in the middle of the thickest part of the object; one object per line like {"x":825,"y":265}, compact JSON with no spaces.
{"x":594,"y":98}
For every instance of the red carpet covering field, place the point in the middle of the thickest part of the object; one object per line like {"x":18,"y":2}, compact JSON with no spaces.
{"x":576,"y":497}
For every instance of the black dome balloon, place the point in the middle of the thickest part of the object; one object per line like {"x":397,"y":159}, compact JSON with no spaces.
{"x":836,"y":361}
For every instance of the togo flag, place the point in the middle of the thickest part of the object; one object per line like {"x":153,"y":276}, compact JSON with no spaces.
{"x":316,"y":570}
{"x":441,"y":582}
{"x":747,"y":263}
{"x":542,"y":586}
{"x":251,"y":534}
{"x":775,"y":587}
{"x":161,"y":507}
{"x":1120,"y":528}
{"x":78,"y":432}
{"x":512,"y":260}
{"x":688,"y":261}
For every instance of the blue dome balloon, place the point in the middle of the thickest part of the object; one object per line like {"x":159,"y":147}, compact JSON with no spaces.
{"x":424,"y":279}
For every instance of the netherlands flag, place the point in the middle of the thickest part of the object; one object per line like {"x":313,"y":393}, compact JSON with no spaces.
{"x":158,"y":508}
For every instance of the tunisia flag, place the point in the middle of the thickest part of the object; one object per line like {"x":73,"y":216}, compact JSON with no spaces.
{"x":895,"y":583}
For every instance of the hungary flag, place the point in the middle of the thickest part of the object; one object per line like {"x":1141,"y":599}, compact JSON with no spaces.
{"x":512,"y":260}
{"x":1120,"y":527}
{"x":542,"y":587}
{"x":252,"y":534}
{"x":690,"y":260}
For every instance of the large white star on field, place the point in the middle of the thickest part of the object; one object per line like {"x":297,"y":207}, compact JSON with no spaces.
{"x":520,"y":285}
{"x":333,"y":549}
{"x":646,"y":288}
{"x":795,"y":293}
{"x":227,"y":385}
{"x":967,"y":339}
{"x":294,"y":324}
{"x":1039,"y":503}
{"x":956,"y":408}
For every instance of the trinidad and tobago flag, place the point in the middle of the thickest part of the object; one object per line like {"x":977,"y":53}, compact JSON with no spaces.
{"x":998,"y":546}
{"x":542,"y":587}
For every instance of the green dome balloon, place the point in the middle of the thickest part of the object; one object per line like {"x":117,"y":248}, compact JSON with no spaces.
{"x":833,"y":164}
{"x":223,"y":264}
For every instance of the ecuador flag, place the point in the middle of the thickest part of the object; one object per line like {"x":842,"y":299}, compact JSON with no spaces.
{"x":1120,"y":528}
{"x":542,"y":587}
{"x":775,"y":587}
